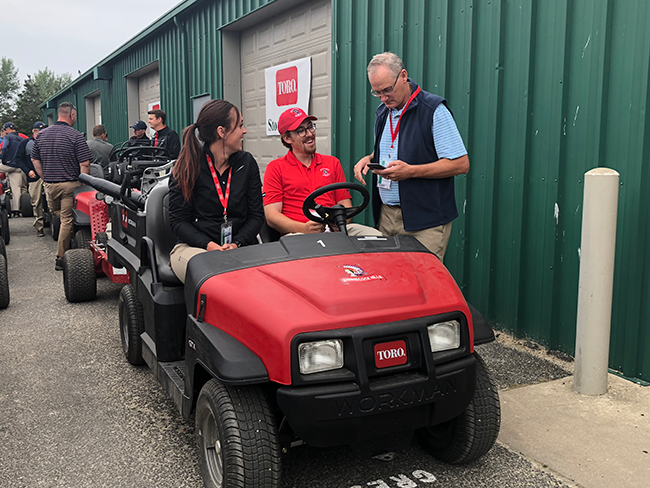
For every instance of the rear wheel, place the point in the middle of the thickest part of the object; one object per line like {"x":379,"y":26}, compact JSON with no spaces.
{"x":131,"y":324}
{"x":236,"y":437}
{"x":56,"y":227}
{"x":3,"y":249}
{"x":4,"y":223}
{"x":474,"y":432}
{"x":79,"y":277}
{"x":4,"y":283}
{"x":26,"y":205}
{"x":82,"y":239}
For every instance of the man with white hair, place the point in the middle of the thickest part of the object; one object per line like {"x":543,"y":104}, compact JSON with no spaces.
{"x":418,"y":151}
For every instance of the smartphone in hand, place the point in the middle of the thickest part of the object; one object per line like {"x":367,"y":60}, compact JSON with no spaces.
{"x":375,"y":166}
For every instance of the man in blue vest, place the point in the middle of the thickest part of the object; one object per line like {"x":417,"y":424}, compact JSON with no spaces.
{"x":418,"y":144}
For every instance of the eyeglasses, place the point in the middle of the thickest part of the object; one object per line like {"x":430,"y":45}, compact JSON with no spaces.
{"x":302,"y":131}
{"x":385,"y":93}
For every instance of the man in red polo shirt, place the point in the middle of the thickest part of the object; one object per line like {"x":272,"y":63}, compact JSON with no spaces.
{"x":290,"y":179}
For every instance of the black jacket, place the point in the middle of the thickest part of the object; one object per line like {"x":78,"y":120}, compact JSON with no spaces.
{"x":169,"y":139}
{"x":198,"y":221}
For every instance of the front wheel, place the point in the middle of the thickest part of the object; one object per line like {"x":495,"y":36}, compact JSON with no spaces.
{"x":79,"y":275}
{"x":473,"y":433}
{"x":236,"y":437}
{"x":4,"y":226}
{"x":26,"y":205}
{"x":131,"y":324}
{"x":4,"y":283}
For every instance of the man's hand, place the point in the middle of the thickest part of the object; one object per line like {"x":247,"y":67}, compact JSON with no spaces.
{"x":311,"y":227}
{"x":396,"y":171}
{"x":31,"y":174}
{"x":361,"y":169}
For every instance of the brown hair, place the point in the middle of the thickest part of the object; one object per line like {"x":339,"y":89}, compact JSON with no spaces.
{"x":214,"y":114}
{"x":159,"y":115}
{"x":98,"y":130}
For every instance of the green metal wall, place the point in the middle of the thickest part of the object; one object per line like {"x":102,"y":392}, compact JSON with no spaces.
{"x":542,"y":91}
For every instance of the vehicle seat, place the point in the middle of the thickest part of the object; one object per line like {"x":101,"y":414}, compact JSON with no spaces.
{"x":160,"y":232}
{"x":96,"y":170}
{"x":268,"y":234}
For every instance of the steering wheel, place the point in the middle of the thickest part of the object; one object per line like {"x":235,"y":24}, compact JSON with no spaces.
{"x":338,"y":214}
{"x":149,"y":152}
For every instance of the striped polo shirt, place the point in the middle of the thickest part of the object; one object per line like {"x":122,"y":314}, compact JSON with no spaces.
{"x":60,"y":149}
{"x":446,"y":138}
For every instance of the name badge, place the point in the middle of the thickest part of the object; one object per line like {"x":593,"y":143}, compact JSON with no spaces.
{"x":383,"y":183}
{"x":226,"y":233}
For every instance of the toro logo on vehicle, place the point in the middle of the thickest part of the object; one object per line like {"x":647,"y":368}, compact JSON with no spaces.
{"x":390,"y":354}
{"x":286,"y":86}
{"x":354,"y":274}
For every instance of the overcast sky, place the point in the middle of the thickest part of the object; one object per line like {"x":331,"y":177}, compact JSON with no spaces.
{"x":69,"y":36}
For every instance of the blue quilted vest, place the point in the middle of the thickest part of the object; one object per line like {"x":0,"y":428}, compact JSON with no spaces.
{"x":425,"y":202}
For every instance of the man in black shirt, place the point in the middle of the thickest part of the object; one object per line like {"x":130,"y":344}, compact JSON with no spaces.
{"x":164,"y":136}
{"x":139,"y":137}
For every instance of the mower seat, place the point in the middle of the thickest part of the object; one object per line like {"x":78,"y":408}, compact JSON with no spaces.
{"x":159,"y":231}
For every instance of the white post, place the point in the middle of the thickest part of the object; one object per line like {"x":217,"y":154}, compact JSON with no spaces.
{"x":599,"y":210}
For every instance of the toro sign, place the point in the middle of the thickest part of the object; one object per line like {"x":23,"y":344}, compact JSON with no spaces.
{"x":287,"y":85}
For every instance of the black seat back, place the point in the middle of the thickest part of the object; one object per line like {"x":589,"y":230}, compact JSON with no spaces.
{"x":160,"y":232}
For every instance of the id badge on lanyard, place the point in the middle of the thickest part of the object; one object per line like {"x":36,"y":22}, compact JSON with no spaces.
{"x":226,"y":227}
{"x":381,"y":182}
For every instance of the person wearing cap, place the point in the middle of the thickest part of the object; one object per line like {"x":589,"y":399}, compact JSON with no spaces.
{"x":417,"y":141}
{"x":35,"y":183}
{"x":10,"y":167}
{"x":164,"y":136}
{"x":289,"y":180}
{"x":139,"y":137}
{"x":60,"y":154}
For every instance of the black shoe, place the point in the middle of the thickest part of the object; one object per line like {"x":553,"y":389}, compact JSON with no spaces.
{"x":16,"y":213}
{"x":58,"y":264}
{"x":40,"y":233}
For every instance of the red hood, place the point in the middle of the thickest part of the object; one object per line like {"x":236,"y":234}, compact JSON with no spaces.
{"x":324,"y":293}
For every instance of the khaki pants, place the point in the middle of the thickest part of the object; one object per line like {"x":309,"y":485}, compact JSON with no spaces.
{"x":60,"y":199}
{"x":179,"y":257}
{"x":435,"y":239}
{"x":354,"y":230}
{"x":17,"y":183}
{"x":35,"y":191}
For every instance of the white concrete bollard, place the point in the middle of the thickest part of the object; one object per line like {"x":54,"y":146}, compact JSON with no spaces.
{"x":598,"y":243}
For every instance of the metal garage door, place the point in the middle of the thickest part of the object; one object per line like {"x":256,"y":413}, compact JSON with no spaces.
{"x":303,"y":31}
{"x":148,"y":93}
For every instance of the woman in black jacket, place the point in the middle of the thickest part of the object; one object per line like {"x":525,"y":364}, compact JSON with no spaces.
{"x":215,"y":191}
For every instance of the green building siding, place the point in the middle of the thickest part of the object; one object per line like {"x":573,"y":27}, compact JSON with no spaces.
{"x":542,"y":91}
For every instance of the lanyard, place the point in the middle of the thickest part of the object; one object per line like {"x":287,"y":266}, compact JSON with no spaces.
{"x":393,"y":133}
{"x":222,"y":199}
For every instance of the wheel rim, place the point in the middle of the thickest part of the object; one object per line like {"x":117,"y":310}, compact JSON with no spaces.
{"x":212,"y":448}
{"x":124,"y":327}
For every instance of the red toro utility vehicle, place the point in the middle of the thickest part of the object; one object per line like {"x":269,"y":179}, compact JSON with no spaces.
{"x":324,"y":339}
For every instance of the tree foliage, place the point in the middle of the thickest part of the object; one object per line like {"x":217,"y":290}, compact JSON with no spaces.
{"x":9,"y":84}
{"x":36,"y":89}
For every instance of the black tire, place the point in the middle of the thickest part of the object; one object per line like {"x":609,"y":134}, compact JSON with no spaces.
{"x":236,"y":437}
{"x":79,"y":276}
{"x":4,"y":283}
{"x":26,"y":205}
{"x":4,"y":226}
{"x":473,"y":433}
{"x":131,"y":325}
{"x":3,"y":249}
{"x":56,"y":227}
{"x":82,"y":239}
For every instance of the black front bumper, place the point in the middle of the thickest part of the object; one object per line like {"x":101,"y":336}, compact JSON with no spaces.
{"x":367,"y":404}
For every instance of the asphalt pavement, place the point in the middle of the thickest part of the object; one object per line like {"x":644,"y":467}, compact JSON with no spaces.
{"x":74,"y":413}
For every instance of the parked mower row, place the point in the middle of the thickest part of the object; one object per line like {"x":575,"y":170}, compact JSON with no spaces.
{"x":324,"y":339}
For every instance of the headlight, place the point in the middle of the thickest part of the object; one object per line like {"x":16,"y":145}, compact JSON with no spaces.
{"x":320,"y":356}
{"x":444,"y":336}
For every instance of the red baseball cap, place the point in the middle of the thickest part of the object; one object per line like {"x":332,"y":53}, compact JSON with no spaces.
{"x":292,"y":118}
